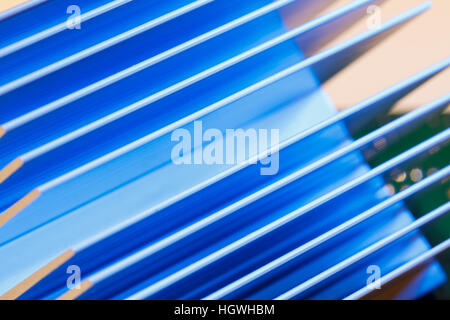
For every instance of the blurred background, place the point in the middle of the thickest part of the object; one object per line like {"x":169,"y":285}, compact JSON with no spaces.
{"x":420,"y":44}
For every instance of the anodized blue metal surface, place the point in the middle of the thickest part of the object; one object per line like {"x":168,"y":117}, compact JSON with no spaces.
{"x":141,"y":224}
{"x":281,"y":85}
{"x":97,"y":184}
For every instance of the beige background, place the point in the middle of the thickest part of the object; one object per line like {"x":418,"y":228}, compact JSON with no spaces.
{"x":422,"y":43}
{"x":8,"y":4}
